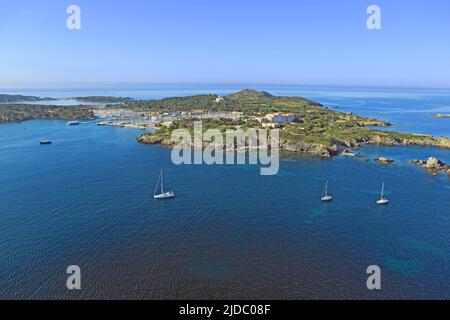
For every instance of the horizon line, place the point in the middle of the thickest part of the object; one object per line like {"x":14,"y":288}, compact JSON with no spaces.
{"x":79,"y":85}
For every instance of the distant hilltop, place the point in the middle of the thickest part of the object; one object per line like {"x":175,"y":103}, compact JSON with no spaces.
{"x":250,"y":94}
{"x":250,"y":101}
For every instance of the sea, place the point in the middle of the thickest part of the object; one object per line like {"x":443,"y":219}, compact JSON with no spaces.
{"x":230,"y":233}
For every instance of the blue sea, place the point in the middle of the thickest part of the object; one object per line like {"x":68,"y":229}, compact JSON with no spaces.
{"x":230,"y":233}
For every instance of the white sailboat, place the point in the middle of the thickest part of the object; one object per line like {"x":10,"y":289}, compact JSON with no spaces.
{"x":162,"y":194}
{"x":383,"y":199}
{"x":325,"y":195}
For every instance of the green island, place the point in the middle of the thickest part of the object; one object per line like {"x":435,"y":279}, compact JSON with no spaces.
{"x":8,"y":98}
{"x":318,"y":131}
{"x":23,"y":112}
{"x":102,"y":99}
{"x":306,"y":127}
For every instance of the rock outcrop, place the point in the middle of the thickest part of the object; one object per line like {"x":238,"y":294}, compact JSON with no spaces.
{"x":156,"y":139}
{"x":384,"y":161}
{"x":432,"y":165}
{"x":310,"y":149}
{"x":442,"y":115}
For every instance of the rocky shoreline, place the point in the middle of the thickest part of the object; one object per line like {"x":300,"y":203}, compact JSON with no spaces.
{"x":432,"y":165}
{"x":318,"y":131}
{"x":321,"y":150}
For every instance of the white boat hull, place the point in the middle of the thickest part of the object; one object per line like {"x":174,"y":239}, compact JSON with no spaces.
{"x":383,"y":201}
{"x":327,"y":198}
{"x":165,"y":195}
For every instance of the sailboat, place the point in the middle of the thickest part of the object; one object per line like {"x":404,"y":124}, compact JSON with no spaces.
{"x":325,"y":195}
{"x":162,"y":194}
{"x":383,"y":199}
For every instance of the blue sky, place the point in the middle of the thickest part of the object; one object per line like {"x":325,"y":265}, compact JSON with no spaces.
{"x":321,"y":42}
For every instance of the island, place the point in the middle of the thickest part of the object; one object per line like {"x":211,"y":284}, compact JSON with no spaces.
{"x":102,"y":99}
{"x":433,"y":165}
{"x":306,"y":127}
{"x":10,"y":98}
{"x":22,"y":112}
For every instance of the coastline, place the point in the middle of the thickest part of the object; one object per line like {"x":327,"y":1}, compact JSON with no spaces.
{"x":126,"y":125}
{"x":317,"y":132}
{"x":22,"y":112}
{"x":336,"y":148}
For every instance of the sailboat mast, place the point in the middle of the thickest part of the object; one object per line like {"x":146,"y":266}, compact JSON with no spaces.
{"x":326,"y":188}
{"x":162,"y":181}
{"x":382,"y":191}
{"x":157,"y":184}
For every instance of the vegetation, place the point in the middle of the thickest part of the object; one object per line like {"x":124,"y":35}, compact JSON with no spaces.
{"x":5,"y":98}
{"x":102,"y":99}
{"x":22,"y":112}
{"x":249,"y":101}
{"x":320,"y":131}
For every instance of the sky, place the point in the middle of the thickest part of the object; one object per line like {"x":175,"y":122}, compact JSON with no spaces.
{"x":320,"y":42}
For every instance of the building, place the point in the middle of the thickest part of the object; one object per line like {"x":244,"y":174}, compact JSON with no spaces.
{"x":261,"y":119}
{"x":279,"y":118}
{"x":196,"y":112}
{"x":271,"y":125}
{"x":223,"y":115}
{"x":167,"y":123}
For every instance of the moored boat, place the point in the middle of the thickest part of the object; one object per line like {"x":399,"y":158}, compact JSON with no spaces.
{"x":162,"y":194}
{"x":382,"y":199}
{"x":325,"y":196}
